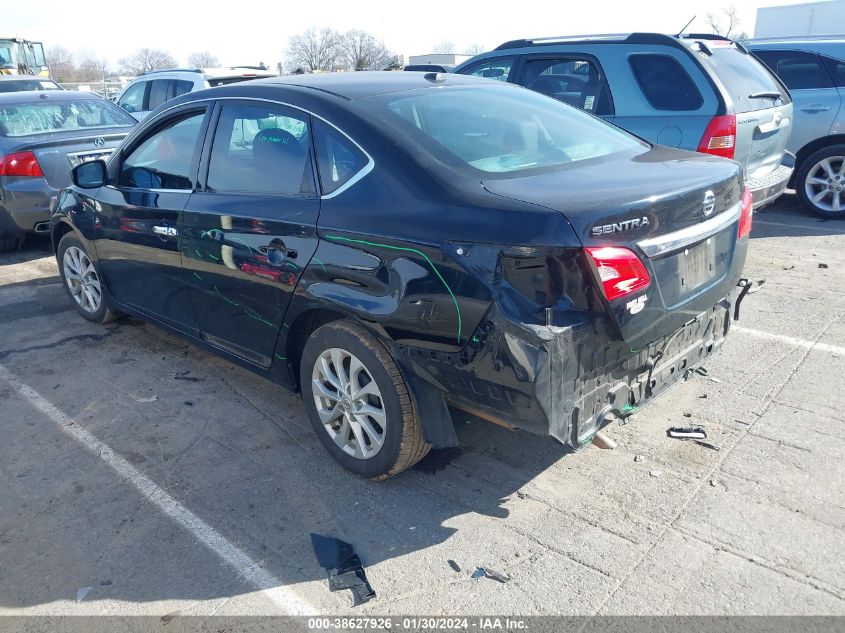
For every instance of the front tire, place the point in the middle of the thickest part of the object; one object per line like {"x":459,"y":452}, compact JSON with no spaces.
{"x":820,"y":182}
{"x":359,"y":405}
{"x":81,"y":279}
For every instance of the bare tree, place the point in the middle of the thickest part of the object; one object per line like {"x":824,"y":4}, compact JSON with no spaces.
{"x":60,"y":63}
{"x":313,"y":50}
{"x":203,"y":59}
{"x":89,"y":67}
{"x":726,"y":24}
{"x":444,"y":47}
{"x":358,"y":50}
{"x":475,"y":49}
{"x":145,"y":60}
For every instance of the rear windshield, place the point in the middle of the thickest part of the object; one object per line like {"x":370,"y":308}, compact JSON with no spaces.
{"x":503,"y":129}
{"x":24,"y":119}
{"x":19,"y":85}
{"x":743,"y":75}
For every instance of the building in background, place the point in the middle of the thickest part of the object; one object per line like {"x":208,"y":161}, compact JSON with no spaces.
{"x":809,"y":18}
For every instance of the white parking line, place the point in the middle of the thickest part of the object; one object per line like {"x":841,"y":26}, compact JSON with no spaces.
{"x":791,"y":340}
{"x":270,"y":586}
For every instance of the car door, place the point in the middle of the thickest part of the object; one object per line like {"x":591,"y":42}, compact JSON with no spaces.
{"x":816,"y":100}
{"x":137,"y":237}
{"x":250,"y":231}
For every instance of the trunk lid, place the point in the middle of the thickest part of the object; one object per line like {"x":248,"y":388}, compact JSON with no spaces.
{"x":658,"y":205}
{"x":59,"y":153}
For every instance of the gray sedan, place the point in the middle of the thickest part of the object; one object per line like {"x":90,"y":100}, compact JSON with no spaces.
{"x":43,"y":135}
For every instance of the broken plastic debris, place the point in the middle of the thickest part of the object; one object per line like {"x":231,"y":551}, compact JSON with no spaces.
{"x":492,"y":574}
{"x":655,"y":473}
{"x":687,"y":433}
{"x":145,"y":400}
{"x":630,"y":408}
{"x":454,"y":565}
{"x":343,"y":566}
{"x":638,"y":458}
{"x":823,"y":265}
{"x":81,"y":593}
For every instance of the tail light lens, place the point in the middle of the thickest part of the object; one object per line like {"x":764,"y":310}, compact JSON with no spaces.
{"x":720,"y":136}
{"x":620,"y":270}
{"x":20,"y":164}
{"x":747,"y":212}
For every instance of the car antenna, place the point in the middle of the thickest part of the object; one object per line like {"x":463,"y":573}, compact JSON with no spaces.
{"x":686,"y":26}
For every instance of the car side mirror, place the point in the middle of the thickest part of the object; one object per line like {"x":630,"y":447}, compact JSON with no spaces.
{"x":90,"y":175}
{"x":127,"y":107}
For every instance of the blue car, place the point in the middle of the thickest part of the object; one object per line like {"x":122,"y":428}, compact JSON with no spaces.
{"x":698,"y":92}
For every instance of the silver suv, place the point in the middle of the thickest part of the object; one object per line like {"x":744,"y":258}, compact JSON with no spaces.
{"x":698,"y":92}
{"x":813,"y":68}
{"x":150,"y":90}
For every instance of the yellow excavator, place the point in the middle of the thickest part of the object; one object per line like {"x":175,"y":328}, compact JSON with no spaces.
{"x":22,"y":57}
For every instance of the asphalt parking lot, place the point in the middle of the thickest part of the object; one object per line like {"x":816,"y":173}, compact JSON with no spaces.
{"x":141,"y":475}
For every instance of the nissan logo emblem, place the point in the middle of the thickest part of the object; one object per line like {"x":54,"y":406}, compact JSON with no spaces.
{"x":99,"y":142}
{"x":709,"y":202}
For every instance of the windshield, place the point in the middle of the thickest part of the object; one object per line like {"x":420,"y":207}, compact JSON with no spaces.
{"x":8,"y":56}
{"x":499,"y":130}
{"x":743,"y":75}
{"x":38,"y":118}
{"x":20,"y":85}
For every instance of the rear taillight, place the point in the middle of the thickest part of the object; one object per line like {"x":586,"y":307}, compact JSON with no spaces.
{"x":20,"y":164}
{"x":720,"y":136}
{"x":620,"y":270}
{"x":747,"y":212}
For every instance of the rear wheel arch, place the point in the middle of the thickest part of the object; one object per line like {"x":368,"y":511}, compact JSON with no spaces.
{"x":811,"y":148}
{"x":302,"y":327}
{"x":58,"y":232}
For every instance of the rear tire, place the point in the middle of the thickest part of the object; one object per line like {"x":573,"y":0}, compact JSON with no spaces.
{"x":10,"y":243}
{"x":820,"y":182}
{"x":375,"y":435}
{"x":82,"y":281}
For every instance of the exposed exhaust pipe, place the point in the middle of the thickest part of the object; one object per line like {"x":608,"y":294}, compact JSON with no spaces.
{"x":42,"y":227}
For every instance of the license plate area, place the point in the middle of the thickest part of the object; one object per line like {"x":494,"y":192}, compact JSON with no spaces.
{"x":78,"y":158}
{"x":685,"y":273}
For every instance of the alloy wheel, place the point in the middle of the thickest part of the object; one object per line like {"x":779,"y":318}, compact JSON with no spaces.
{"x":825,"y":184}
{"x":349,"y":403}
{"x":82,"y":280}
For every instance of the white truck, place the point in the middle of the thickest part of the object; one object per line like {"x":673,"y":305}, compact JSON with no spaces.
{"x":809,"y":18}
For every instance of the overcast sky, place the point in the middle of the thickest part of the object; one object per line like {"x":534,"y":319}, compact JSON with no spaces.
{"x":251,"y":31}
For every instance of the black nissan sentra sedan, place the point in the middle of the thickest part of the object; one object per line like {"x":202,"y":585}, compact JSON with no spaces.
{"x":398,"y":245}
{"x":43,"y":134}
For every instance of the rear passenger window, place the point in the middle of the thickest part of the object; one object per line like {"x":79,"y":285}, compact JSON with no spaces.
{"x":182,"y":87}
{"x":572,"y":80}
{"x":338,"y":158}
{"x":665,"y":83}
{"x":260,"y":149}
{"x":158,"y":93}
{"x":498,"y":68}
{"x":798,"y":70}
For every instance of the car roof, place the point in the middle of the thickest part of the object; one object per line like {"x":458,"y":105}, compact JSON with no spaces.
{"x":38,"y":96}
{"x":25,"y":78}
{"x":358,"y":85}
{"x":798,"y":39}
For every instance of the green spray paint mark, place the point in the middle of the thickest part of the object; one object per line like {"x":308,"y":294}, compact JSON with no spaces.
{"x":292,"y":265}
{"x":321,"y":263}
{"x":254,"y":315}
{"x":227,"y":300}
{"x":198,"y":253}
{"x":204,"y":233}
{"x":197,"y":276}
{"x":240,"y":241}
{"x":285,"y":326}
{"x":421,"y":254}
{"x":215,"y":258}
{"x":280,"y":357}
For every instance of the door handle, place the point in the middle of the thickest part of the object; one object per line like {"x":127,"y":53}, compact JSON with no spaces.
{"x":815,"y":107}
{"x":165,"y":231}
{"x":277,"y":253}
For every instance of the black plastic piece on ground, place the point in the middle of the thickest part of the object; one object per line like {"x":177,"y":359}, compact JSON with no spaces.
{"x":454,"y":565}
{"x":343,"y":566}
{"x":745,"y":284}
{"x":437,"y":460}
